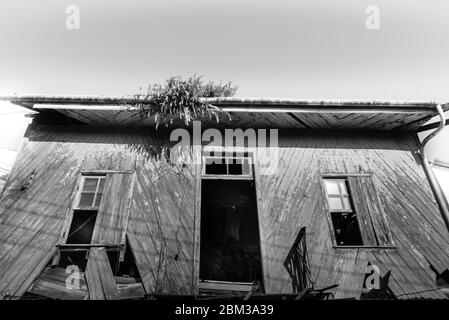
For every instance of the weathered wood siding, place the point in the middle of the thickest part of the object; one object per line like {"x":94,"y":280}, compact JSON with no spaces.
{"x":161,"y":226}
{"x":31,"y":219}
{"x":294,"y":197}
{"x":163,"y":223}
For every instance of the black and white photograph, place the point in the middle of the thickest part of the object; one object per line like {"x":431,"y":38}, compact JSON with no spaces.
{"x":218,"y":159}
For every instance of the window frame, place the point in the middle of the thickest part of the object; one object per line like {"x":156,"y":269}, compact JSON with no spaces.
{"x":73,"y":207}
{"x":93,"y":214}
{"x":247,"y":155}
{"x":345,"y":176}
{"x":341,"y":196}
{"x":330,"y":211}
{"x":84,"y":176}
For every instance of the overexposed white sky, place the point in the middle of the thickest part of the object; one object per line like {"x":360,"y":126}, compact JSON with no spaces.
{"x":442,"y":175}
{"x":305,"y":49}
{"x":13,"y":124}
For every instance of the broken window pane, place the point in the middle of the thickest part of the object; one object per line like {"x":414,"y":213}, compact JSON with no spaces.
{"x":82,"y":227}
{"x":80,"y":232}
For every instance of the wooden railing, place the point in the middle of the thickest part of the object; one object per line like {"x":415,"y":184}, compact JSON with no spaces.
{"x":297,"y":264}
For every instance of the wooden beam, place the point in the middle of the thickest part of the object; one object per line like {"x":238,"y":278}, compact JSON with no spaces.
{"x":99,"y":277}
{"x":130,"y":291}
{"x":225,"y":286}
{"x":88,"y":245}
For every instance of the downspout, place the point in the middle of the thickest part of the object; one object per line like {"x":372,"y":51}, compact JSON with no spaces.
{"x":432,"y":180}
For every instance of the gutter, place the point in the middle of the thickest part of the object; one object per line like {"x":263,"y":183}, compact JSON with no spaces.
{"x":430,"y":175}
{"x":398,"y":109}
{"x":237,"y":104}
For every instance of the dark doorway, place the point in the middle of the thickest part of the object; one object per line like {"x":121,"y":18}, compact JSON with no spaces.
{"x":230,"y":245}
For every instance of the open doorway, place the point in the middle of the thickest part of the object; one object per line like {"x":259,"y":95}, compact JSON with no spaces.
{"x":230,"y":244}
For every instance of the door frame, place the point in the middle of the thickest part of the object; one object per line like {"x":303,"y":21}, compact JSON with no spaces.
{"x":198,"y":154}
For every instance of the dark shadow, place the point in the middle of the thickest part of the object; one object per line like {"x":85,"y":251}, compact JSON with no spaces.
{"x":57,"y":128}
{"x":297,"y":264}
{"x":230,"y":244}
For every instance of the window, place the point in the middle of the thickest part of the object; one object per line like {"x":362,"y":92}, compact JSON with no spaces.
{"x":338,"y":196}
{"x":97,"y":224}
{"x":82,"y":227}
{"x":229,"y":165}
{"x":343,"y":216}
{"x":356,"y":213}
{"x":91,"y":192}
{"x":83,"y":220}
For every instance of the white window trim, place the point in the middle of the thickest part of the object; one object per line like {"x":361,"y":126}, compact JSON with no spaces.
{"x":341,"y":195}
{"x":242,"y":176}
{"x":225,"y":151}
{"x":80,"y":191}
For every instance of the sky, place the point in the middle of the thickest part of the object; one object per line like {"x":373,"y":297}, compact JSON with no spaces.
{"x":443,"y":174}
{"x":285,"y":48}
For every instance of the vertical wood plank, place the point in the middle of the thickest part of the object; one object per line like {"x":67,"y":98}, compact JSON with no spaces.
{"x":100,"y":280}
{"x":114,"y":209}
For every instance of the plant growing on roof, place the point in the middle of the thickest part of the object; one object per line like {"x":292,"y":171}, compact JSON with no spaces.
{"x":175,"y":99}
{"x":182,"y":99}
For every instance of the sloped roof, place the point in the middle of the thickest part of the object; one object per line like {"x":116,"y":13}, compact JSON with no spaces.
{"x":249,"y":112}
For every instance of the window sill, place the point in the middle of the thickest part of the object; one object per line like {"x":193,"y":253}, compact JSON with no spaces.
{"x":364,"y":247}
{"x":88,"y":245}
{"x":86,"y":208}
{"x":227,"y":177}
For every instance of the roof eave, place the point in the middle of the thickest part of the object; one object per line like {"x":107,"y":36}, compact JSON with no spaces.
{"x":259,"y":102}
{"x":424,"y":110}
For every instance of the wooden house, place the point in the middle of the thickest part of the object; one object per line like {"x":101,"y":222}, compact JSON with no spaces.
{"x":350,"y":199}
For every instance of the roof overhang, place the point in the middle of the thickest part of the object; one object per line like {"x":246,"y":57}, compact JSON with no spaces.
{"x":249,"y":112}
